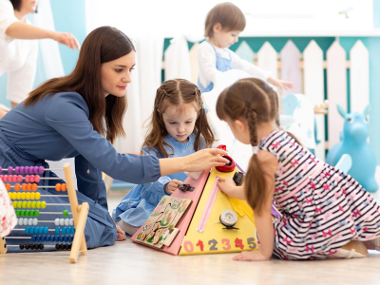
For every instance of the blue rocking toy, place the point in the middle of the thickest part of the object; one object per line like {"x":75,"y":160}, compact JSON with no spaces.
{"x":354,"y":143}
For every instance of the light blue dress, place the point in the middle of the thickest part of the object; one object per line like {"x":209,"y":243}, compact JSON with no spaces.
{"x":139,"y":203}
{"x":222,"y":64}
{"x":58,"y":127}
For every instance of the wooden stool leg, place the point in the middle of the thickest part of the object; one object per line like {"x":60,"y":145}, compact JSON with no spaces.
{"x":79,"y":213}
{"x":3,"y":246}
{"x":79,"y":239}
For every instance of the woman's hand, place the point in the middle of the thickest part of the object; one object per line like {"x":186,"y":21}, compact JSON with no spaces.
{"x":66,"y":39}
{"x":199,"y":161}
{"x":281,"y":84}
{"x":172,"y":186}
{"x":205,"y":159}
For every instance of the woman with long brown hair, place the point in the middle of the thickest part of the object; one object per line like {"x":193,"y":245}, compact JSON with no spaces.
{"x":80,"y":115}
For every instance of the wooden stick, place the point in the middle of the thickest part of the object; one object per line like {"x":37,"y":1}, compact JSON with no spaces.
{"x":79,"y":233}
{"x":75,"y":213}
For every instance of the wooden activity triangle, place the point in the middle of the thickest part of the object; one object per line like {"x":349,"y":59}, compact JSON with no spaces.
{"x":200,"y":230}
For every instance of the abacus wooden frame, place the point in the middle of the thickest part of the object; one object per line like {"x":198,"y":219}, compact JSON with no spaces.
{"x":79,"y":213}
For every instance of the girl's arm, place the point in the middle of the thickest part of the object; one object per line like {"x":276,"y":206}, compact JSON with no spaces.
{"x":24,"y":31}
{"x":206,"y":63}
{"x":280,"y":83}
{"x":228,"y":186}
{"x":250,"y":68}
{"x":253,"y":70}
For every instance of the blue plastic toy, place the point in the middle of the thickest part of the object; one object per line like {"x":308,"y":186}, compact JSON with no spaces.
{"x":354,"y":143}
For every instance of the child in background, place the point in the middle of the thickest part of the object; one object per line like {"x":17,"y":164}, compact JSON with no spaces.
{"x":8,"y":218}
{"x":222,"y":27}
{"x":325,"y":212}
{"x":178,"y":128}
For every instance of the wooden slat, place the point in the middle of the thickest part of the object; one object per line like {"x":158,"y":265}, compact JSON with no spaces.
{"x":336,"y":90}
{"x":314,"y":89}
{"x":245,"y":52}
{"x":267,"y":60}
{"x":290,"y":67}
{"x":359,"y":77}
{"x":193,"y":53}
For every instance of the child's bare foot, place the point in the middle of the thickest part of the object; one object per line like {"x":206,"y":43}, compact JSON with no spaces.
{"x":120,"y":234}
{"x":254,"y":255}
{"x":358,"y":246}
{"x":352,"y":249}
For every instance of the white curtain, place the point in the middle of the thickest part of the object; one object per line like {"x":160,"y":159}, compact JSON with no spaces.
{"x":50,"y":63}
{"x":130,"y":18}
{"x":177,"y":60}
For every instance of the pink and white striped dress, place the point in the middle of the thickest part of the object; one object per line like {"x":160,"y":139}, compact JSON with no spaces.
{"x":322,"y":208}
{"x":8,"y":218}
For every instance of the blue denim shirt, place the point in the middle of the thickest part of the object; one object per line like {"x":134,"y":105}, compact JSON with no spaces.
{"x":139,"y":203}
{"x":57,"y":127}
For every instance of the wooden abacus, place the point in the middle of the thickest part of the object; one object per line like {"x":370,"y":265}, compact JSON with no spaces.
{"x":79,"y":212}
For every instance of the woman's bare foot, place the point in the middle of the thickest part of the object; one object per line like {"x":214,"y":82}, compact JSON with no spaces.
{"x":120,"y":234}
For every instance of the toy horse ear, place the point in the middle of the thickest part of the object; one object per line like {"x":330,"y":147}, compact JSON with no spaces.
{"x":341,"y":111}
{"x":366,"y":110}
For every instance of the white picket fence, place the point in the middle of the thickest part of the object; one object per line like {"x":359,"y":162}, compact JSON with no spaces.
{"x":306,"y":70}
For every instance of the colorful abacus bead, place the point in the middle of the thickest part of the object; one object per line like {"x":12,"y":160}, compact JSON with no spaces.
{"x":37,"y":178}
{"x":63,"y":222}
{"x":10,"y":169}
{"x":35,"y":246}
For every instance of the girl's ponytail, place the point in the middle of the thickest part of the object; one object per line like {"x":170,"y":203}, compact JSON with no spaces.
{"x":255,"y":179}
{"x":202,"y":128}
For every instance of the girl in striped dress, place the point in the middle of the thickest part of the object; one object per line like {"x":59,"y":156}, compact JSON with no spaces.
{"x":325,"y":212}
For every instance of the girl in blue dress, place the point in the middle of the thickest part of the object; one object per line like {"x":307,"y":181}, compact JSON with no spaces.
{"x":178,"y":128}
{"x":80,"y":115}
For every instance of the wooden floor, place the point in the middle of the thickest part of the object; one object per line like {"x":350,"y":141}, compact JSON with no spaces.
{"x":128,"y":263}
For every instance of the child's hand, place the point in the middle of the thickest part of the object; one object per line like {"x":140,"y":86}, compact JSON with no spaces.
{"x":281,"y":84}
{"x":172,"y":185}
{"x":227,"y":185}
{"x":120,"y":234}
{"x":254,"y":255}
